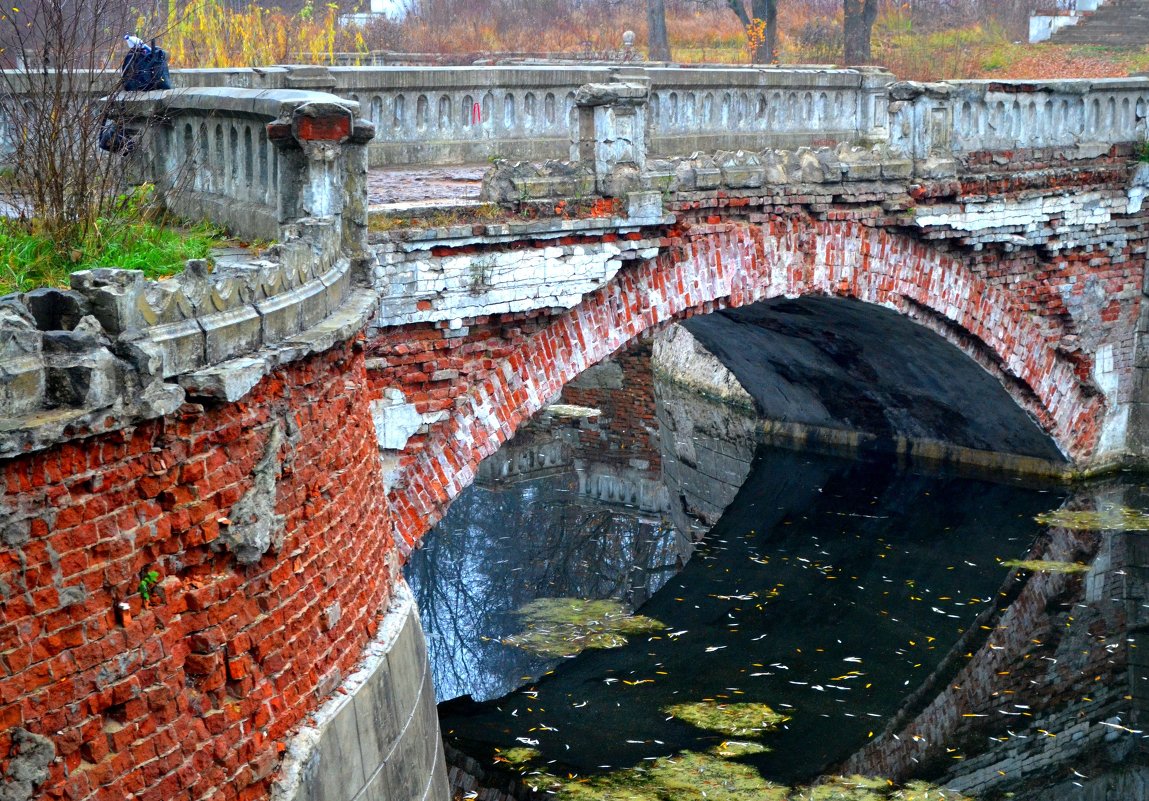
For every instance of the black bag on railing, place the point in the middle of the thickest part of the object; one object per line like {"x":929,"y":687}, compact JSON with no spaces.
{"x":115,"y":138}
{"x":145,"y":68}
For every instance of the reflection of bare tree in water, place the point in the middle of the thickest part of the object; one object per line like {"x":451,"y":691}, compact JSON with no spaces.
{"x":498,"y":549}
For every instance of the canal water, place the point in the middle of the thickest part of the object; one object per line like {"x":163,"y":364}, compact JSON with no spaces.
{"x":637,"y":595}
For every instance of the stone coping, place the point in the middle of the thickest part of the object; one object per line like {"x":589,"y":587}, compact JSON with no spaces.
{"x":268,"y":103}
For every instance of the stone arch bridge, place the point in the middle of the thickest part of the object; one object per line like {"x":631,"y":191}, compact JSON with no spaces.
{"x":273,"y":437}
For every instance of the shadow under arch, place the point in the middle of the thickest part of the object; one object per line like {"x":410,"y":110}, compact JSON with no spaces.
{"x":828,"y":370}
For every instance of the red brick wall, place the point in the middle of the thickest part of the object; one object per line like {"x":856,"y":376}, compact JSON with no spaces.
{"x":191,"y":697}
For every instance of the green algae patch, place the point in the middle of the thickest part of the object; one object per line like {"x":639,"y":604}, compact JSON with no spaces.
{"x":733,"y":720}
{"x":558,"y":627}
{"x":520,"y":756}
{"x":687,"y":777}
{"x":845,"y":788}
{"x":1111,"y":518}
{"x":691,"y":776}
{"x":1046,"y":566}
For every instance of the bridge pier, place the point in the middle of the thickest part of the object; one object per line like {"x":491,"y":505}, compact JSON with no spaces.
{"x":378,"y":737}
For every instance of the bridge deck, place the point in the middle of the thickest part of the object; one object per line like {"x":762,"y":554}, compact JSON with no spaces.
{"x":394,"y":188}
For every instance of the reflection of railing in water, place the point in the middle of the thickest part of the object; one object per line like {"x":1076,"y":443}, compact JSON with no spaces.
{"x":1048,"y":692}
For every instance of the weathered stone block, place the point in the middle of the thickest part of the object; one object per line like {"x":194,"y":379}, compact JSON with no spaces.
{"x":56,"y":309}
{"x":395,"y":423}
{"x":21,"y":363}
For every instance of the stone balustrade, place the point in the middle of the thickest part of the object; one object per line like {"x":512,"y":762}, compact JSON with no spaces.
{"x":250,"y":159}
{"x":288,"y":166}
{"x":1078,"y":118}
{"x":443,"y":115}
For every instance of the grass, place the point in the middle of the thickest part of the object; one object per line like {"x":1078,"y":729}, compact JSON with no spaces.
{"x":34,"y":258}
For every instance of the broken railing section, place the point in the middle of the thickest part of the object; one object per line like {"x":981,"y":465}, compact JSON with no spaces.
{"x":939,"y":125}
{"x":117,"y":348}
{"x":254,"y":161}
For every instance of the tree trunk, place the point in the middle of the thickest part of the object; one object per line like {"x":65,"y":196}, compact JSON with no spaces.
{"x":658,"y":43}
{"x":857,"y":25}
{"x":767,"y":11}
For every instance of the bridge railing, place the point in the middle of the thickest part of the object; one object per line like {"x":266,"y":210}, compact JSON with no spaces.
{"x":1083,"y":118}
{"x":444,"y":115}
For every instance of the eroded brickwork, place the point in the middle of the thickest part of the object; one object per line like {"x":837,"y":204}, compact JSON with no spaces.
{"x":191,"y":696}
{"x":715,"y":262}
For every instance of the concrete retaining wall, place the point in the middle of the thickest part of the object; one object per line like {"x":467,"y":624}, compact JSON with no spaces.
{"x":378,"y":736}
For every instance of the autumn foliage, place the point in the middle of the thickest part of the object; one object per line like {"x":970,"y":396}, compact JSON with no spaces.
{"x":922,"y":40}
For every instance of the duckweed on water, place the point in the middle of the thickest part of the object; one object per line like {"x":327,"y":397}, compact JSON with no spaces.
{"x":556,"y":627}
{"x":734,"y":720}
{"x":1115,"y":518}
{"x":1046,"y":566}
{"x":693,"y":777}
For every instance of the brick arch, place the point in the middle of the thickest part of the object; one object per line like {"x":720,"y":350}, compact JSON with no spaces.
{"x":728,"y":265}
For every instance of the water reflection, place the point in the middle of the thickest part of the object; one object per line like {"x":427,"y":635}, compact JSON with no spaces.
{"x":866,"y":603}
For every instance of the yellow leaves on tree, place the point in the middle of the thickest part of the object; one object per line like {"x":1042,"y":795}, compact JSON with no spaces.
{"x":205,"y":33}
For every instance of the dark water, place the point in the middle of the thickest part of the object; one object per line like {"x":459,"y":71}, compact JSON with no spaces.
{"x":865,"y":600}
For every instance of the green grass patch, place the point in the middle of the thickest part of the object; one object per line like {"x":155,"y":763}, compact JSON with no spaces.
{"x":130,"y":238}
